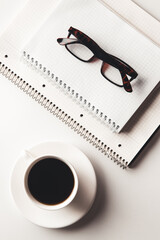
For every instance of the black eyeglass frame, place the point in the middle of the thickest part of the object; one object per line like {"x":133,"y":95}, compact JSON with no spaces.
{"x":98,"y":52}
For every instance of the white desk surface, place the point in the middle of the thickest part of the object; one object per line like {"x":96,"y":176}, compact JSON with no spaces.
{"x":127,"y":203}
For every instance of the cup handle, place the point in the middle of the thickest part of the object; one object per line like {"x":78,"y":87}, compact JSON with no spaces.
{"x":29,"y":155}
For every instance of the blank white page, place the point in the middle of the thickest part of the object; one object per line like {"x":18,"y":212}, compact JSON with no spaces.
{"x":113,"y":35}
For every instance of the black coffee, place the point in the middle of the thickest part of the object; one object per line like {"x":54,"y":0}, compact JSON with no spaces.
{"x":50,"y":181}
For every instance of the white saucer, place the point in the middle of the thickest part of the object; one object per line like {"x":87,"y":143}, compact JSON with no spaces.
{"x":81,"y":203}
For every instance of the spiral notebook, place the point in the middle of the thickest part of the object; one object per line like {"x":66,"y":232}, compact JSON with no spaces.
{"x":84,"y":81}
{"x":122,"y":148}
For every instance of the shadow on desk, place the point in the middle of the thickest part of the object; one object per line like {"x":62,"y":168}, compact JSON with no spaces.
{"x":98,"y":208}
{"x":134,"y":120}
{"x":146,"y":148}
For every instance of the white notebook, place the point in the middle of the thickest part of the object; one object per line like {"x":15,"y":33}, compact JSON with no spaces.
{"x":121,"y":148}
{"x":83,"y":81}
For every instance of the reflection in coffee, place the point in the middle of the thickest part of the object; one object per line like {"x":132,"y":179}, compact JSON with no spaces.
{"x":50,"y":181}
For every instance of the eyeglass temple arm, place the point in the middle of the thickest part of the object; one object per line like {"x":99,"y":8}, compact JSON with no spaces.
{"x":64,"y":41}
{"x":126,"y":82}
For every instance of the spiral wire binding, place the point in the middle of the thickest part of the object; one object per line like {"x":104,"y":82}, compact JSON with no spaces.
{"x":51,"y":76}
{"x":64,"y":117}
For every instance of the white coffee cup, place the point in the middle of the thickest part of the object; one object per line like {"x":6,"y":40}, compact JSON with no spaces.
{"x":78,"y":202}
{"x":34,"y":162}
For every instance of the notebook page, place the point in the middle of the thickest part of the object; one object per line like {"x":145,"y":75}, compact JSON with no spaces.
{"x":151,"y":7}
{"x":117,"y":38}
{"x":136,"y":17}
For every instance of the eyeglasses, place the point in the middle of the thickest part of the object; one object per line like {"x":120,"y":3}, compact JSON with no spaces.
{"x":86,"y":50}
